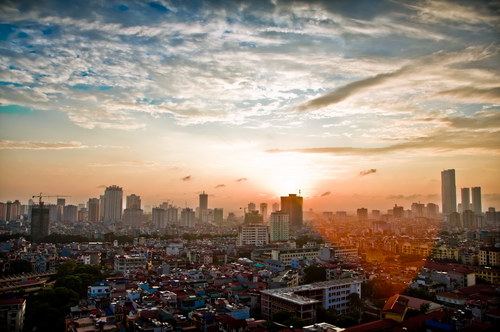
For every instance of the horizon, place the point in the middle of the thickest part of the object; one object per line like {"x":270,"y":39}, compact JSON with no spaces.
{"x":355,"y":106}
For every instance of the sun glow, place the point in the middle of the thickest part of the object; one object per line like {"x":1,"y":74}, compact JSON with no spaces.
{"x":286,"y":173}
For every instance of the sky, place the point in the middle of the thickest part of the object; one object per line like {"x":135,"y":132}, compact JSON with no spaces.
{"x":354,"y":103}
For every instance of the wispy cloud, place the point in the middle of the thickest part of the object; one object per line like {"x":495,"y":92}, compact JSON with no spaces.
{"x":219,"y":186}
{"x":186,"y":178}
{"x":368,"y":172}
{"x":326,"y":193}
{"x":39,"y":145}
{"x":241,"y":179}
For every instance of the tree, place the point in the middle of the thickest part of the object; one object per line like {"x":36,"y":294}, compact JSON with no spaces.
{"x":20,"y":266}
{"x":424,"y":307}
{"x":66,"y":268}
{"x":287,"y":318}
{"x":314,"y":273}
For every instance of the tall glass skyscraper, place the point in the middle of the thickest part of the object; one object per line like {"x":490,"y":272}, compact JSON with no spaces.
{"x":448,"y":191}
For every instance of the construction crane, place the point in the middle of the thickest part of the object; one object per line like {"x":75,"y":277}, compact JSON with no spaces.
{"x":40,"y":196}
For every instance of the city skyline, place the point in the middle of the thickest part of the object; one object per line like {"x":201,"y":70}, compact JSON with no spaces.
{"x":359,"y":105}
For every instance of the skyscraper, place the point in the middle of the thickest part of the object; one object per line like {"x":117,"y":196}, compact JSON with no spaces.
{"x":113,"y":202}
{"x":132,"y":215}
{"x":448,"y":191}
{"x":39,"y":222}
{"x":279,"y":226}
{"x":218,"y":216}
{"x":292,"y":204}
{"x":203,"y":207}
{"x":476,"y":200}
{"x":93,"y":208}
{"x":362,"y":213}
{"x":133,"y":202}
{"x":465,"y":194}
{"x":263,"y":211}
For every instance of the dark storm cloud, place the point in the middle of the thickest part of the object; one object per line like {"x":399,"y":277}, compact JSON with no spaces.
{"x":367,"y":172}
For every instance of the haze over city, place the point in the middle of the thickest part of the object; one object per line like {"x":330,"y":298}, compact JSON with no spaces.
{"x":355,"y":105}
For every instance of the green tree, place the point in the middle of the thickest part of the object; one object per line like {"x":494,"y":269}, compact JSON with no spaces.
{"x":287,"y":318}
{"x":66,"y":268}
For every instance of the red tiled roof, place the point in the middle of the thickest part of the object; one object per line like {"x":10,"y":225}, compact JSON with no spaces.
{"x":378,"y":325}
{"x":396,"y":303}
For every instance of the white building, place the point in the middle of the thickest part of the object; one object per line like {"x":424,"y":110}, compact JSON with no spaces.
{"x":127,"y":263}
{"x":279,"y":226}
{"x":159,"y":218}
{"x":113,"y":203}
{"x":188,"y":217}
{"x":256,"y":235}
{"x":286,"y":255}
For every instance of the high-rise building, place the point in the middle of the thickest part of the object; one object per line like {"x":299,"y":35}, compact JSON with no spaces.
{"x":476,"y":200}
{"x":465,"y":194}
{"x":61,"y":201}
{"x":469,"y":219}
{"x":172,"y":215}
{"x":375,"y":214}
{"x":253,"y":235}
{"x":159,"y":218}
{"x":187,"y":217}
{"x":275,"y":207}
{"x":93,"y":209}
{"x":133,"y":202}
{"x":398,"y":211}
{"x":279,"y":225}
{"x":253,"y":217}
{"x":292,"y":204}
{"x":132,"y":218}
{"x":3,"y":211}
{"x":39,"y":222}
{"x":113,"y":203}
{"x":203,"y":208}
{"x":432,"y":210}
{"x":13,"y":210}
{"x":263,"y":211}
{"x":70,"y":213}
{"x":218,"y":216}
{"x":101,"y":207}
{"x":251,"y":207}
{"x":362,"y":214}
{"x":417,"y":209}
{"x":448,"y":191}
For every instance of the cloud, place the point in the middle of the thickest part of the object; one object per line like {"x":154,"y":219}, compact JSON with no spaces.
{"x":468,"y":93}
{"x":367,"y":172}
{"x":186,"y":178}
{"x":135,"y":163}
{"x":101,"y":186}
{"x":241,"y":179}
{"x":348,"y":90}
{"x":442,"y":140}
{"x":413,"y":197}
{"x":220,"y":186}
{"x":39,"y":145}
{"x":326,"y":193}
{"x":411,"y":73}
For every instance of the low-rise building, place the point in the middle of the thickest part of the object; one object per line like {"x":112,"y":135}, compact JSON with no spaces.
{"x":286,"y":255}
{"x":127,"y":263}
{"x":12,"y":314}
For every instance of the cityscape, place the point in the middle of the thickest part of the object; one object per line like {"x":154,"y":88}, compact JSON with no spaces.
{"x":267,"y":165}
